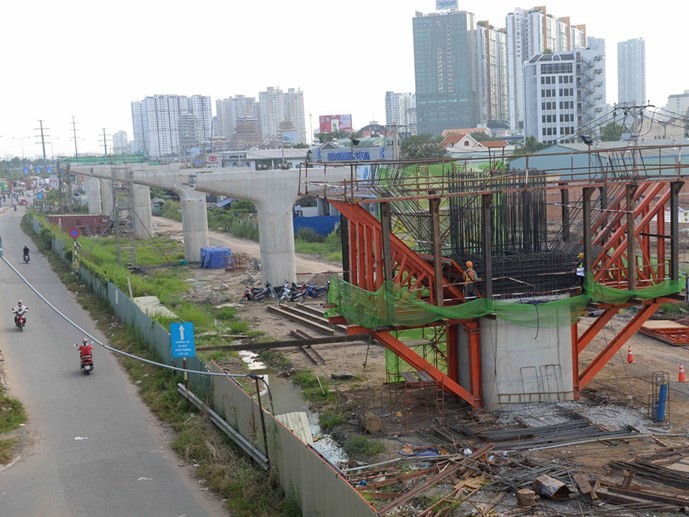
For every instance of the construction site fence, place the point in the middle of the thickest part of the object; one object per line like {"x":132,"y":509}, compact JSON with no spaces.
{"x":394,"y":306}
{"x":303,"y":473}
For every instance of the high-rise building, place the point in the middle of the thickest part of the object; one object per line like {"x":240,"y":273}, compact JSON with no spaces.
{"x":120,"y":144}
{"x":531,"y":32}
{"x":678,"y":103}
{"x":564,"y":95}
{"x":445,"y":71}
{"x":156,"y":123}
{"x":400,"y":110}
{"x":233,"y":109}
{"x":276,"y":108}
{"x":493,"y":97}
{"x":631,"y":72}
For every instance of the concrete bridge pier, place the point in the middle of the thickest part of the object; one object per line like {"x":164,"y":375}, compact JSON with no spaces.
{"x":276,"y":240}
{"x":93,"y":196}
{"x":106,"y":197}
{"x":143,"y":219}
{"x":194,"y":222}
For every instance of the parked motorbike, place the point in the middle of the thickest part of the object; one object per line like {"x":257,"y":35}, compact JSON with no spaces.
{"x":291,"y":292}
{"x":316,"y":291}
{"x":20,"y":318}
{"x":86,"y":358}
{"x":258,"y":294}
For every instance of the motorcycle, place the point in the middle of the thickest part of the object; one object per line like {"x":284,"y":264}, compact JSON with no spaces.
{"x":86,"y":359}
{"x":291,"y":292}
{"x":27,"y":258}
{"x":315,"y":291}
{"x":259,"y":294}
{"x":20,"y":318}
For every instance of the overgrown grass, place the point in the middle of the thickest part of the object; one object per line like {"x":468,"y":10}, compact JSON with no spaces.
{"x":362,"y":447}
{"x":328,"y":420}
{"x":314,"y":389}
{"x":12,"y":413}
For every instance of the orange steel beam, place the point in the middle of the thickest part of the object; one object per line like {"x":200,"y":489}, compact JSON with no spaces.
{"x":594,"y":329}
{"x":616,"y":343}
{"x":474,"y":344}
{"x":418,"y":362}
{"x":616,"y":218}
{"x":575,"y":360}
{"x":621,"y":248}
{"x":451,"y":334}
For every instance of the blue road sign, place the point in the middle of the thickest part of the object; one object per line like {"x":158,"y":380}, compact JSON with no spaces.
{"x":182,"y":339}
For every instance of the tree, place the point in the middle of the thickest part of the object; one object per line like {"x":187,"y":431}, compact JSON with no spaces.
{"x":422,"y":147}
{"x":611,"y":133}
{"x":531,"y":145}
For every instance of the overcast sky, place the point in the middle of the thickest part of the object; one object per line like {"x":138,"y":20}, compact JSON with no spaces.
{"x":91,"y":59}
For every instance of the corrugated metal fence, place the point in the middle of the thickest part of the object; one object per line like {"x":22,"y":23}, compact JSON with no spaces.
{"x":301,"y":471}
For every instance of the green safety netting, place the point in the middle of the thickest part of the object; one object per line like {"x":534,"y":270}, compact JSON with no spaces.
{"x":393,"y":306}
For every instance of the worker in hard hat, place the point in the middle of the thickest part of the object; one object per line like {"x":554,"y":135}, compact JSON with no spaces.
{"x":581,"y":273}
{"x":470,"y":279}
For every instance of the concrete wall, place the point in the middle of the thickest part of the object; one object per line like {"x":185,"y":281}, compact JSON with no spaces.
{"x":520,"y":364}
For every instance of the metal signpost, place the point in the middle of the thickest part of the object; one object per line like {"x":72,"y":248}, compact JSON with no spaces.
{"x":182,"y":344}
{"x":74,"y":234}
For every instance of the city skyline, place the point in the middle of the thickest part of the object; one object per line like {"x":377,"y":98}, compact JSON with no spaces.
{"x":62,"y":65}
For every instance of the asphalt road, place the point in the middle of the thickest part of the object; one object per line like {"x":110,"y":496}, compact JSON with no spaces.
{"x":96,"y":449}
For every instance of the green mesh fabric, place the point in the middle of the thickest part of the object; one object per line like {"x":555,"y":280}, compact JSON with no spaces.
{"x":392,"y":306}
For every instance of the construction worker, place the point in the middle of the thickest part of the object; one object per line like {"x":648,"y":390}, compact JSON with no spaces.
{"x":581,"y":273}
{"x":470,"y":278}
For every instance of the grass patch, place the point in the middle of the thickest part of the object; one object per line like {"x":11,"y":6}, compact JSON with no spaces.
{"x":314,"y":389}
{"x":362,"y":447}
{"x":7,"y":448}
{"x":328,"y":420}
{"x":12,"y":413}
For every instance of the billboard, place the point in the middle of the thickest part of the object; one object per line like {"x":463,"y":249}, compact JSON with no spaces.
{"x":335,"y":123}
{"x":445,"y":4}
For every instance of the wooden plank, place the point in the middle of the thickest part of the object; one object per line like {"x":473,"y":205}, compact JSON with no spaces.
{"x":302,"y":320}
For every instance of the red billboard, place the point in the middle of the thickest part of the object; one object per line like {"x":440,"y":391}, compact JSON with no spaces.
{"x":335,"y":123}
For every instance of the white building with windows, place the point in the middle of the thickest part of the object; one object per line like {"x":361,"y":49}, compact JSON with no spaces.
{"x":631,"y":72}
{"x":564,"y":95}
{"x":531,"y":32}
{"x":156,"y":123}
{"x":400,"y":111}
{"x":280,"y":110}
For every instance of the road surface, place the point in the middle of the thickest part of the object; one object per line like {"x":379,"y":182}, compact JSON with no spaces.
{"x":96,"y":448}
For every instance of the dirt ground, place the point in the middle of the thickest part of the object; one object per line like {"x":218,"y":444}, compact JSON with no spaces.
{"x":621,"y":392}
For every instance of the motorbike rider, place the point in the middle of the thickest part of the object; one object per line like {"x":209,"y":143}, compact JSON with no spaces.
{"x":19,"y":309}
{"x":26,"y":251}
{"x":85,"y":349}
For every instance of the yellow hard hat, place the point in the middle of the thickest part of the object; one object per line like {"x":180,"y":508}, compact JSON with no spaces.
{"x":581,"y":255}
{"x":469,"y":263}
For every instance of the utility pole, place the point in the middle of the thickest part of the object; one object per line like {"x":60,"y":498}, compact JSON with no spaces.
{"x":105,"y":143}
{"x":45,"y":158}
{"x":74,"y":133}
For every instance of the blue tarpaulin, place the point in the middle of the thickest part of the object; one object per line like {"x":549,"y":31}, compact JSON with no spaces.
{"x":215,"y":258}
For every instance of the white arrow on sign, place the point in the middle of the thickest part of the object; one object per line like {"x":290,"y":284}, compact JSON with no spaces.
{"x":181,"y":332}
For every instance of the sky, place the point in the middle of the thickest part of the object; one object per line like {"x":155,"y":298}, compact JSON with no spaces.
{"x":87,"y":61}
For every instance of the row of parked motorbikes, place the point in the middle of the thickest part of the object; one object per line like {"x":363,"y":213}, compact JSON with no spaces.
{"x":289,"y":292}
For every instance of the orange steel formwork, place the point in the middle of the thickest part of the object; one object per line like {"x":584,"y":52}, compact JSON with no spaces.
{"x":630,"y":222}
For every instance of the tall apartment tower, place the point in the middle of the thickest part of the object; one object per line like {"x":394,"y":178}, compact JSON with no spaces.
{"x":564,"y":95}
{"x":278,"y":110}
{"x":231,"y":111}
{"x":400,"y":110}
{"x":631,"y":72}
{"x":120,"y":143}
{"x":156,"y":123}
{"x":445,"y":71}
{"x":493,"y":96}
{"x":531,"y":32}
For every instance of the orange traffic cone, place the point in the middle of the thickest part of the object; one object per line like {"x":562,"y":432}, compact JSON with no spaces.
{"x":630,"y":356}
{"x":681,"y":377}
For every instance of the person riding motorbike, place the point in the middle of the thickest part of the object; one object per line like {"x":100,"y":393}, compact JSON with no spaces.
{"x":85,"y":349}
{"x":26,"y":253}
{"x":19,"y":310}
